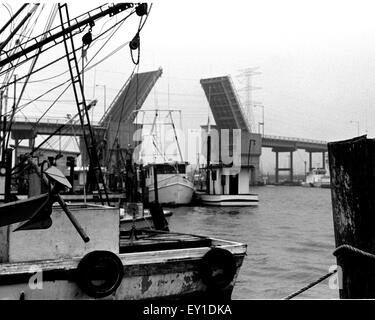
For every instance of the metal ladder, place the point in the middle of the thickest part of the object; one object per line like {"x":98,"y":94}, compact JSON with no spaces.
{"x":94,"y":165}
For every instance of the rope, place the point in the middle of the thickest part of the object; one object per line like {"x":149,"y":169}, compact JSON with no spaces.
{"x":339,"y":250}
{"x":346,"y":247}
{"x":312,"y":284}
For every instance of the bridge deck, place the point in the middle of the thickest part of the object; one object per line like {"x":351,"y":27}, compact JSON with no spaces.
{"x":279,"y":143}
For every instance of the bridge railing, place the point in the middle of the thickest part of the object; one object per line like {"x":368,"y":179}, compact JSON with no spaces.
{"x":294,"y":139}
{"x":49,"y":120}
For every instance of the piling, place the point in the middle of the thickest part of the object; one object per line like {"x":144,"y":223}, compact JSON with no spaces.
{"x":208,"y":172}
{"x":352,"y":168}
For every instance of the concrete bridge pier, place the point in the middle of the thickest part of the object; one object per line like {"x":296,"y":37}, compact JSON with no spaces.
{"x":310,"y":158}
{"x":278,"y":169}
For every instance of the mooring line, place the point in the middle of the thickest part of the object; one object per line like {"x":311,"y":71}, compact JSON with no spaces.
{"x":312,"y":284}
{"x":344,"y":248}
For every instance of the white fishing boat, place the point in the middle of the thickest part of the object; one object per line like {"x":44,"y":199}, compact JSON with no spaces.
{"x":173,"y":186}
{"x":228,"y":200}
{"x":224,"y":187}
{"x":318,"y":178}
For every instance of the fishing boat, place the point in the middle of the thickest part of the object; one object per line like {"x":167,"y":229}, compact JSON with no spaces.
{"x":228,"y":200}
{"x":108,"y":263}
{"x":173,"y":185}
{"x":224,"y":187}
{"x":228,"y":190}
{"x":318,"y":178}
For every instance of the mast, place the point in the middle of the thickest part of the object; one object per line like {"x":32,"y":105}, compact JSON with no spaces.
{"x":175,"y":136}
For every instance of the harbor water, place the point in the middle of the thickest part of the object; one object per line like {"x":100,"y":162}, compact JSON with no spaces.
{"x":289,"y":235}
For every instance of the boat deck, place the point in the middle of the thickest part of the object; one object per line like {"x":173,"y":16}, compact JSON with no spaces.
{"x":145,"y":240}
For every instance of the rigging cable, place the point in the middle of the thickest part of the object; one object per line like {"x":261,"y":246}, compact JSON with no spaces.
{"x":136,"y":65}
{"x":63,"y":57}
{"x":66,"y":88}
{"x":55,"y":43}
{"x":101,"y":49}
{"x":86,"y":69}
{"x":24,"y":28}
{"x":5,"y":142}
{"x":46,"y":28}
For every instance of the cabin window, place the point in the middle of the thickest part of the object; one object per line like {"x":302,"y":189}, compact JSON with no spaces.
{"x":170,"y":169}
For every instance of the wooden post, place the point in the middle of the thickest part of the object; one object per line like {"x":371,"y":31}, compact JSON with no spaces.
{"x":208,"y":164}
{"x":352,"y":168}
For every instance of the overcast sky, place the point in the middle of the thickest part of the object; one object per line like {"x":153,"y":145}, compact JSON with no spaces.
{"x":316,"y":58}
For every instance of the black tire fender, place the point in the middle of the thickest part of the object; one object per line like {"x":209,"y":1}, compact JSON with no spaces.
{"x":99,"y":273}
{"x":217,"y":268}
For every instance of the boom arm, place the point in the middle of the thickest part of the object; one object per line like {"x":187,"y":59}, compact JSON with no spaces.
{"x":111,"y":11}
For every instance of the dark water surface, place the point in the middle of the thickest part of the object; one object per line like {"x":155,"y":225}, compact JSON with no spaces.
{"x":289,"y":236}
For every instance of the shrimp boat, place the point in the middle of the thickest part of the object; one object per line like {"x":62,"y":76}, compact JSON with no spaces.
{"x":173,"y":186}
{"x":108,"y":263}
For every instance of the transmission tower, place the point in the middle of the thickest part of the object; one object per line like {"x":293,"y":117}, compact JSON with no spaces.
{"x":248,"y":74}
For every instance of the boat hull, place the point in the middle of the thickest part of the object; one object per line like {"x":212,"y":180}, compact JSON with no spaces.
{"x":228,"y":200}
{"x":174,"y":190}
{"x":167,"y":274}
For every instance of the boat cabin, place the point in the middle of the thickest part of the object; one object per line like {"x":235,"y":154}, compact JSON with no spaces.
{"x":223,"y":182}
{"x":165,"y":169}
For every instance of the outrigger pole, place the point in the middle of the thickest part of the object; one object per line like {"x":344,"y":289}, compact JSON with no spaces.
{"x":111,"y":11}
